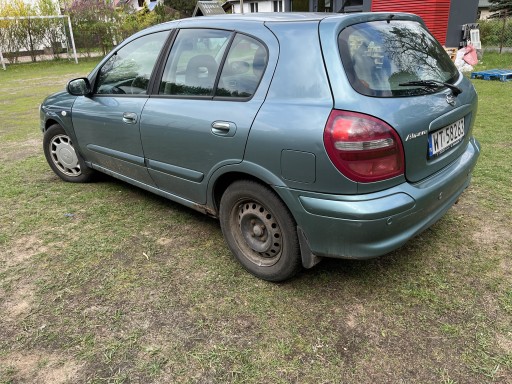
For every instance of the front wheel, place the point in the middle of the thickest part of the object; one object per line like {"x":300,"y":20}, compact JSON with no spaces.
{"x":260,"y":231}
{"x":62,"y":156}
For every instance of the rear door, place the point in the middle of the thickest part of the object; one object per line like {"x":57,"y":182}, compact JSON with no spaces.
{"x":210,"y":91}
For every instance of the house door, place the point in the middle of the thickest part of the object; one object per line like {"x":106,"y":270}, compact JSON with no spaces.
{"x":323,"y":5}
{"x":300,"y":5}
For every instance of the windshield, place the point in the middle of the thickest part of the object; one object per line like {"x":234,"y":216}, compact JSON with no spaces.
{"x":378,"y":56}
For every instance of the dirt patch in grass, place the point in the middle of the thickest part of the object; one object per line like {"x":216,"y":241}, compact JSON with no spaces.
{"x":14,"y":151}
{"x":22,"y":250}
{"x":19,"y":302}
{"x":41,"y":367}
{"x":505,"y":342}
{"x":490,"y":233}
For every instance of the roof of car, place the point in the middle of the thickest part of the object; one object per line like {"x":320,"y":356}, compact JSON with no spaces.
{"x":249,"y":17}
{"x":289,"y":16}
{"x":274,"y":17}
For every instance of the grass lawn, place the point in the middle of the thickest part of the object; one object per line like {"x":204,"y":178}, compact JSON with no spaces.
{"x":106,"y":283}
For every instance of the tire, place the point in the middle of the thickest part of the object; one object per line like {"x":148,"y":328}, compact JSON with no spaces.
{"x":260,"y":231}
{"x":63,"y":158}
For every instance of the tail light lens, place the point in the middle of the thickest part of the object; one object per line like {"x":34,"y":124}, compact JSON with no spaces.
{"x":362,"y":147}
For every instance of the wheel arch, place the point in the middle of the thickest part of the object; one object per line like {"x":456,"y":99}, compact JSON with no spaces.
{"x":49,"y":122}
{"x":225,"y":180}
{"x":66,"y":126}
{"x":227,"y":175}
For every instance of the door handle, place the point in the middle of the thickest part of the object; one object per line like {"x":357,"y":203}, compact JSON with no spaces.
{"x":130,"y":117}
{"x":223,"y":128}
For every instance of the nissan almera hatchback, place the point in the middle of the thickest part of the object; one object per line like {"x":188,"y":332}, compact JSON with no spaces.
{"x":307,"y":135}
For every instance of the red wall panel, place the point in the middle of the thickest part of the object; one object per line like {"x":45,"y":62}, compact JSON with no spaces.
{"x":435,"y":13}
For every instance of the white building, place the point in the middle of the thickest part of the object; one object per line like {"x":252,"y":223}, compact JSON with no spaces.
{"x":139,"y":4}
{"x":254,"y":6}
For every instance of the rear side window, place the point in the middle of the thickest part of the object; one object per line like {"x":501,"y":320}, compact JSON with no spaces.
{"x":378,"y":56}
{"x":193,"y":63}
{"x":243,"y":68}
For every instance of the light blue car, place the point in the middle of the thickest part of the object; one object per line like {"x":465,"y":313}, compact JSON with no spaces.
{"x":307,"y":135}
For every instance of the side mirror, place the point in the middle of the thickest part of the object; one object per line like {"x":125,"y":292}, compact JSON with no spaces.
{"x":79,"y":87}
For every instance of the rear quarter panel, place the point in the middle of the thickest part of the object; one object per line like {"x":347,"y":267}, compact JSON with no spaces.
{"x":287,"y":134}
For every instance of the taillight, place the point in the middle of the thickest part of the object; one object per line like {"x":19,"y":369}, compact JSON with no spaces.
{"x":362,"y":147}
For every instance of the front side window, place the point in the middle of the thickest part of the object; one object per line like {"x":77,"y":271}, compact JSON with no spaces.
{"x":129,"y":69}
{"x":378,"y":56}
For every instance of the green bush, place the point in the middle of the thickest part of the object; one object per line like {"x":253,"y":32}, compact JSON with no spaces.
{"x":491,"y":32}
{"x":98,"y":25}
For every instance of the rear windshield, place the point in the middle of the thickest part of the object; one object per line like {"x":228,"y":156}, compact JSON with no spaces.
{"x":380,"y":55}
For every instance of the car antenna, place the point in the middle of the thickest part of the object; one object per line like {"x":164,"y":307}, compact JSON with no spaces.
{"x":389,"y":18}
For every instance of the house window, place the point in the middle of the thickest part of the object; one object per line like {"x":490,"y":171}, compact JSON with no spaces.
{"x":278,"y":6}
{"x":254,"y":7}
{"x":141,"y":3}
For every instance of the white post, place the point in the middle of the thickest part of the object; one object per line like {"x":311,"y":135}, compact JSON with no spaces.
{"x":2,"y":60}
{"x":241,"y":6}
{"x":72,"y":39}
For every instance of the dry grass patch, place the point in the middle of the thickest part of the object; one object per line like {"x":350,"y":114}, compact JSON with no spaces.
{"x":41,"y":367}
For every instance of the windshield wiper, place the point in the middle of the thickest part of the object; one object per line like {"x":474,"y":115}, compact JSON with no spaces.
{"x":433,"y":84}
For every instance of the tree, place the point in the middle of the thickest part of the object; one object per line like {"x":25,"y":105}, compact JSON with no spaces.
{"x":165,"y":13}
{"x":22,"y":33}
{"x":502,"y":8}
{"x":185,"y":8}
{"x":29,"y":32}
{"x":54,"y":29}
{"x":135,"y":21}
{"x":95,"y":23}
{"x":100,"y":23}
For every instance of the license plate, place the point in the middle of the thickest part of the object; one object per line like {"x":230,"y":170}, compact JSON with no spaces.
{"x":445,"y":138}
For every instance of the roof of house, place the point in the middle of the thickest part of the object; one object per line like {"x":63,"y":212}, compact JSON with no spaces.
{"x":208,"y":8}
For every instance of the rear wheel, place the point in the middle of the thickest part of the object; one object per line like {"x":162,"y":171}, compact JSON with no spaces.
{"x":62,"y":156}
{"x":260,"y":231}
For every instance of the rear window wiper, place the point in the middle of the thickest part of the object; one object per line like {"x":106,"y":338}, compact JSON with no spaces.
{"x":433,"y":84}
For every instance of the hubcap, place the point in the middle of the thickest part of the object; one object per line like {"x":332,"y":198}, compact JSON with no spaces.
{"x":261,"y":233}
{"x":64,"y":156}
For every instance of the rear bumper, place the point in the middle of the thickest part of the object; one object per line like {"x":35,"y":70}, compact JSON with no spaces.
{"x":366,"y":226}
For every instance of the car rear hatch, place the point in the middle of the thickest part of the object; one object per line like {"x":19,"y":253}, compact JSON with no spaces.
{"x":390,"y":67}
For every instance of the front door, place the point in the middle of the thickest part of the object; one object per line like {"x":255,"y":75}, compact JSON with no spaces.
{"x":107,"y":124}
